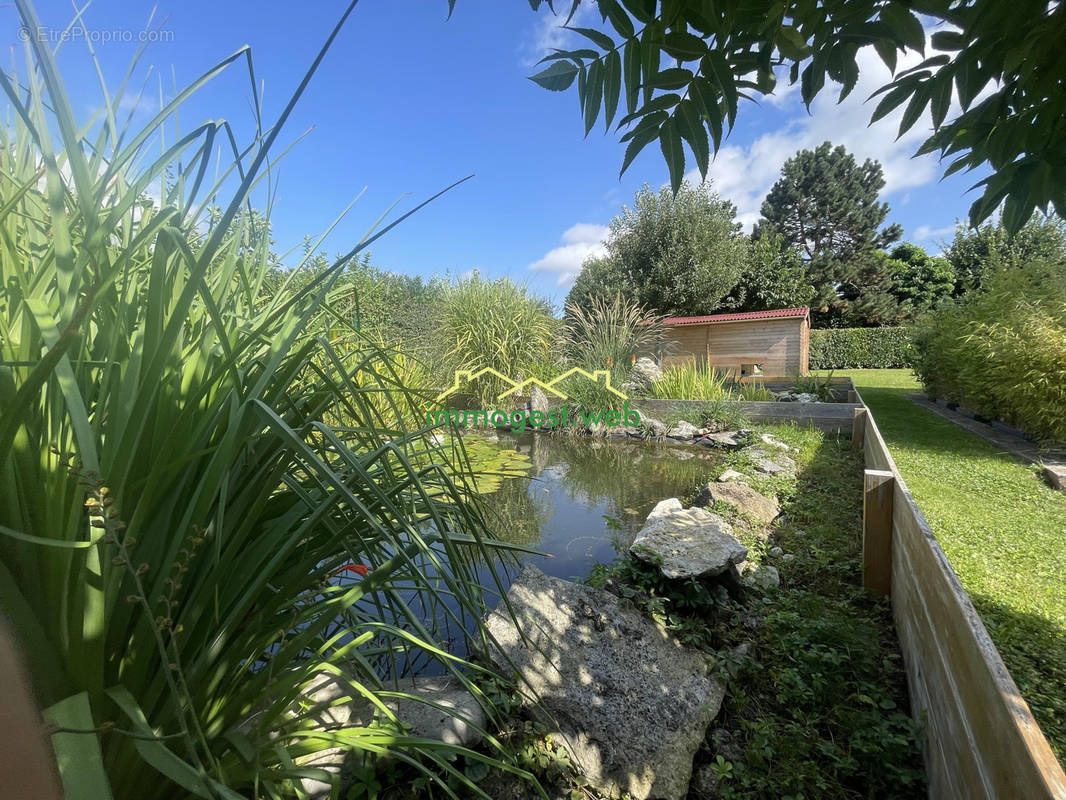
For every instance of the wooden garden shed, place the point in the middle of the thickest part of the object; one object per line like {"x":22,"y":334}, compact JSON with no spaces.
{"x":773,"y":343}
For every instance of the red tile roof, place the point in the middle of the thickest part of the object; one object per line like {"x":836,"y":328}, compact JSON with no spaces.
{"x":777,"y":313}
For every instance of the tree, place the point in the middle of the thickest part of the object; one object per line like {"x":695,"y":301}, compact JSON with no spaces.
{"x":1008,"y":54}
{"x":825,"y":205}
{"x":975,"y":253}
{"x":920,"y":281}
{"x":773,"y":277}
{"x":673,"y":254}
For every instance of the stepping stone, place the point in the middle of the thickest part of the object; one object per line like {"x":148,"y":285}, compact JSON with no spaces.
{"x":627,"y":700}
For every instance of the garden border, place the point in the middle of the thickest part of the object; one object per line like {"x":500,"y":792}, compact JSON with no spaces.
{"x":982,"y":739}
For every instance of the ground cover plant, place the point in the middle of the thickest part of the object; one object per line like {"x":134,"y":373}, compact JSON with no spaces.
{"x":1001,"y":527}
{"x":816,"y":704}
{"x":185,"y":540}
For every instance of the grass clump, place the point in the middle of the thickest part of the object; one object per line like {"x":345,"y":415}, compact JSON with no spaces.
{"x":1003,"y":530}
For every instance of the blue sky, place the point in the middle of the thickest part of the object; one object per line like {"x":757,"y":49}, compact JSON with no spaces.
{"x":408,"y":101}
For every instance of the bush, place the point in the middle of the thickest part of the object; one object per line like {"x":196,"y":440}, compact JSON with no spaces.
{"x":861,"y":348}
{"x":1002,"y":352}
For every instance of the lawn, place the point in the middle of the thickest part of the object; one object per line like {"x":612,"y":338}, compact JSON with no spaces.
{"x":1002,"y":528}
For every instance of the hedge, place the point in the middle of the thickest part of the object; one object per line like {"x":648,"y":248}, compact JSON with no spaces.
{"x":861,"y":348}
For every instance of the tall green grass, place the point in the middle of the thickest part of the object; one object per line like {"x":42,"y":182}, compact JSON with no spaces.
{"x":177,"y":515}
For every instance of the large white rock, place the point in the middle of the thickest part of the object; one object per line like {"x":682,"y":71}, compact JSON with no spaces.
{"x":687,"y":542}
{"x":627,"y":700}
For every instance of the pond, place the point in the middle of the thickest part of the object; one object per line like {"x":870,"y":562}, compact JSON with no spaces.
{"x":584,"y":500}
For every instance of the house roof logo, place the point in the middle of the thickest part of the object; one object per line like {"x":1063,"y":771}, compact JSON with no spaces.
{"x":516,"y":387}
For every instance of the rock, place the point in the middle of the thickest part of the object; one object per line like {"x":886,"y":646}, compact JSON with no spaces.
{"x":653,"y":426}
{"x":769,"y":439}
{"x":731,"y":475}
{"x":683,"y":430}
{"x":687,"y":543}
{"x":776,"y":551}
{"x":445,"y":711}
{"x":771,"y":466}
{"x":627,"y":700}
{"x":787,"y":557}
{"x":726,"y":746}
{"x":644,"y":373}
{"x":538,"y":401}
{"x":726,"y":440}
{"x":744,"y":499}
{"x":705,"y":783}
{"x":1055,"y":475}
{"x":763,"y":577}
{"x":805,"y":397}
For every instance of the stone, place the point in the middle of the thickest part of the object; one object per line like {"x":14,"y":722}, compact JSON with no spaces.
{"x":1055,"y":475}
{"x":745,"y":500}
{"x":687,"y":543}
{"x":642,"y":376}
{"x":627,"y":700}
{"x":770,"y":440}
{"x":771,"y":466}
{"x":705,"y":783}
{"x":763,"y":577}
{"x":776,"y":551}
{"x":731,"y":475}
{"x":683,"y":430}
{"x":653,"y":426}
{"x":538,"y":401}
{"x":787,"y":557}
{"x":805,"y":397}
{"x":445,"y":710}
{"x":725,"y":440}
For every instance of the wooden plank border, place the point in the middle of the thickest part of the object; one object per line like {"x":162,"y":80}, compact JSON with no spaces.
{"x":981,"y":738}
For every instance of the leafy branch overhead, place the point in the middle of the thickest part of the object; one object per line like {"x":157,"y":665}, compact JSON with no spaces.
{"x":679,"y":69}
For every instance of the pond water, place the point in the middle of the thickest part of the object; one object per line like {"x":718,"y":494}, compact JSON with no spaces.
{"x":584,"y":500}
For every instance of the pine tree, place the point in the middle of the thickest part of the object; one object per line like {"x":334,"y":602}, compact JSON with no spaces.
{"x":825,"y":205}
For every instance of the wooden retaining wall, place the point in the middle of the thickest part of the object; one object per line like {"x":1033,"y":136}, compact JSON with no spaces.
{"x":824,"y":416}
{"x":982,"y":740}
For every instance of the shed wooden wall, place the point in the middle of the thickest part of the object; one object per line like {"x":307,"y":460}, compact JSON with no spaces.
{"x":776,"y":344}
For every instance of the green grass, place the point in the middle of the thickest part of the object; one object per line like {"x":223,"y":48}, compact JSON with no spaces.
{"x":1003,"y":530}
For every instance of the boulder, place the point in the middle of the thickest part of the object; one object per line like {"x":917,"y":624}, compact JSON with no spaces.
{"x":745,"y":499}
{"x":683,"y":430}
{"x":627,"y":700}
{"x":771,"y":466}
{"x":653,"y":426}
{"x":538,"y":401}
{"x":687,"y":543}
{"x":647,"y":369}
{"x":726,"y":440}
{"x":763,"y":577}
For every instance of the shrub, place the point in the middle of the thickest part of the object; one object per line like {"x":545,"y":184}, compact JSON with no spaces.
{"x":186,"y":543}
{"x":1001,"y":352}
{"x":861,"y":348}
{"x":497,"y":324}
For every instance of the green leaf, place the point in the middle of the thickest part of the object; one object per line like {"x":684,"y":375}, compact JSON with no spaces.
{"x":593,"y":94}
{"x":663,"y":102}
{"x":556,"y":78}
{"x":620,"y":20}
{"x":643,"y":134}
{"x":642,"y":10}
{"x":905,"y":25}
{"x":78,"y":757}
{"x":601,"y":40}
{"x":631,"y":62}
{"x":791,"y":44}
{"x":612,"y":86}
{"x":692,"y":129}
{"x":717,"y":69}
{"x":948,"y":40}
{"x":673,"y":152}
{"x":684,"y":45}
{"x":705,"y":95}
{"x":888,"y":53}
{"x":941,"y":101}
{"x":649,"y":57}
{"x":891,"y":101}
{"x":914,"y":108}
{"x":672,"y":78}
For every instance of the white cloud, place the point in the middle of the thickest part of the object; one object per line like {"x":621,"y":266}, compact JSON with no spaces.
{"x":926,"y":233}
{"x":580,"y":242}
{"x":744,"y":173}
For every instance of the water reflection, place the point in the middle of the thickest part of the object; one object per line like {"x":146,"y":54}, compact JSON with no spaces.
{"x":584,"y":500}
